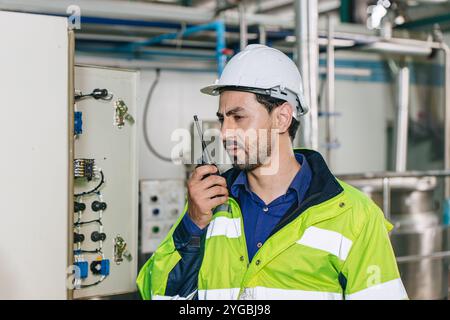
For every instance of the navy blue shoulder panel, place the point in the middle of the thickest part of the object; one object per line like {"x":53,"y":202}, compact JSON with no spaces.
{"x":183,"y":278}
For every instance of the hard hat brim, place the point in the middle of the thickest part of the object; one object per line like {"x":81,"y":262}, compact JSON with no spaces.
{"x":212,"y":90}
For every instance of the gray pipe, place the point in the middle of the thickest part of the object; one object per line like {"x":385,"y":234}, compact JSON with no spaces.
{"x":446,"y":50}
{"x":391,"y":47}
{"x":301,"y":51}
{"x":331,"y":123}
{"x":307,"y":50}
{"x":262,"y":34}
{"x":313,"y":30}
{"x":242,"y":26}
{"x":401,"y":144}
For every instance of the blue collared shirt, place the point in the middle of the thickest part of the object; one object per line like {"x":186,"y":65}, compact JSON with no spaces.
{"x":259,"y":218}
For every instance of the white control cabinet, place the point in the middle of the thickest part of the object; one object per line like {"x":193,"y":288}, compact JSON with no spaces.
{"x":37,"y":184}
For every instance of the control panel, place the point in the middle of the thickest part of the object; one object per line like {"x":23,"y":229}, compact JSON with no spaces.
{"x":105,"y":200}
{"x":162,"y":202}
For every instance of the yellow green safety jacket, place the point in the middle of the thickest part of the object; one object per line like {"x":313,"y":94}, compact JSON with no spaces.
{"x":334,"y":245}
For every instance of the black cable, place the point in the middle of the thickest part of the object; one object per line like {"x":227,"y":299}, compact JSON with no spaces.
{"x":93,"y":190}
{"x":87,"y":222}
{"x":146,"y":108}
{"x":97,"y":94}
{"x":87,"y":251}
{"x":82,"y":286}
{"x":92,"y":284}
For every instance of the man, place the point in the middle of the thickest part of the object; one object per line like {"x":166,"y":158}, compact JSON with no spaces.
{"x":278,"y":225}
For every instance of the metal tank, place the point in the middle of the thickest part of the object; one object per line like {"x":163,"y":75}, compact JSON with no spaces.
{"x":419,"y":239}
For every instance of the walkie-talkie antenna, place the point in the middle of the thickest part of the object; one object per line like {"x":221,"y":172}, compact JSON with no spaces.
{"x":205,"y":153}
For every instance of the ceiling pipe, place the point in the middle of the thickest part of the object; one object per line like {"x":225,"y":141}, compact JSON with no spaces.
{"x":140,"y":11}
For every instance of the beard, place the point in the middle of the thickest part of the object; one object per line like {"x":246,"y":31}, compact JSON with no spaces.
{"x":250,"y":156}
{"x":247,"y":167}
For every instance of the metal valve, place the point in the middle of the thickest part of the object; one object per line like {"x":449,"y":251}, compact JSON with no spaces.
{"x":120,"y":251}
{"x":121,"y":114}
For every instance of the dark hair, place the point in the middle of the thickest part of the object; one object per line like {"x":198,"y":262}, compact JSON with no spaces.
{"x":271,"y":103}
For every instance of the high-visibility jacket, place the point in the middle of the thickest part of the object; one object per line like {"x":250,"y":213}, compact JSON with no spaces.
{"x":334,"y":245}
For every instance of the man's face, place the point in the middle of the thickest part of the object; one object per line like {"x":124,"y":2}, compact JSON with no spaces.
{"x":246,"y":129}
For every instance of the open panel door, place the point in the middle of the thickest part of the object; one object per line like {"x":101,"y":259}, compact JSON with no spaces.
{"x":44,"y":145}
{"x":35,"y":144}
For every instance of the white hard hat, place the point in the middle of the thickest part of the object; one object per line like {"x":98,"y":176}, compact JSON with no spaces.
{"x":263,"y":70}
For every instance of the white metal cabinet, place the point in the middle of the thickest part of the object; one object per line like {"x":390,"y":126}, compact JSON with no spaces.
{"x":38,"y":147}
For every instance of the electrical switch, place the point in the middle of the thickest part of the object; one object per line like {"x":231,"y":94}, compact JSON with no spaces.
{"x":78,"y":237}
{"x":98,"y":236}
{"x":78,"y":122}
{"x":79,"y":206}
{"x":100,"y":267}
{"x":82,"y":271}
{"x":97,"y":206}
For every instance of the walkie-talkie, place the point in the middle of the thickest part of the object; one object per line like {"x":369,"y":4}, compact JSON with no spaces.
{"x":206,"y":158}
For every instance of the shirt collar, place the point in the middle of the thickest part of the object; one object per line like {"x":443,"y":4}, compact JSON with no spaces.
{"x":299,"y":184}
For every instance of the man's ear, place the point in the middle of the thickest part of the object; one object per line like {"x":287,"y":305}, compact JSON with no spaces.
{"x":283,"y":117}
